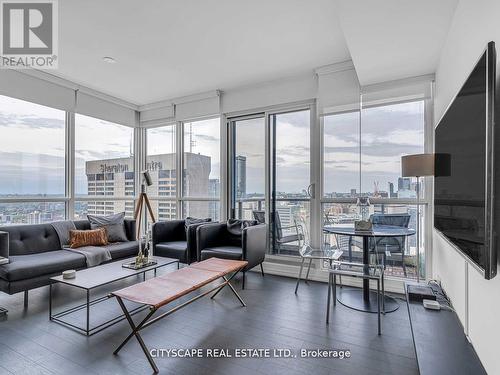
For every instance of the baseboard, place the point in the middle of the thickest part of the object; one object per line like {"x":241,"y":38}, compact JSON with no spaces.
{"x":273,"y":267}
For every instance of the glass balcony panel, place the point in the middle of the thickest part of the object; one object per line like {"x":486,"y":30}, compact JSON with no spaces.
{"x":201,"y":209}
{"x":82,"y":208}
{"x":292,"y":225}
{"x":400,"y":261}
{"x":31,"y":212}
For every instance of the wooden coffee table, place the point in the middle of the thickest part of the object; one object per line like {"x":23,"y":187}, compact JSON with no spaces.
{"x":95,"y":277}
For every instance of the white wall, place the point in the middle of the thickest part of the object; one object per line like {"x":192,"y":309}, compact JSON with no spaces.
{"x":266,"y":94}
{"x":477,"y":301}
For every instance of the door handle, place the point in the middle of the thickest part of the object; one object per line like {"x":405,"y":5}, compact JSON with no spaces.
{"x":311,"y":190}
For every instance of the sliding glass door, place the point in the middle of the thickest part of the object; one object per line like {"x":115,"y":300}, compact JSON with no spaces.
{"x":290,"y":205}
{"x":248,"y":167}
{"x":270,"y":174}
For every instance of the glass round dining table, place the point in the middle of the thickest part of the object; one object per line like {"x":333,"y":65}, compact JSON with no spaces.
{"x":364,"y":299}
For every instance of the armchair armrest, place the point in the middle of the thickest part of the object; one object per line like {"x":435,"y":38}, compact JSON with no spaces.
{"x":254,"y":244}
{"x":208,"y":235}
{"x":192,"y":253}
{"x":172,"y":230}
{"x":4,"y":245}
{"x":130,"y":230}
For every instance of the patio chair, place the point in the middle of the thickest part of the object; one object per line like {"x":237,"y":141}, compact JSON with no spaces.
{"x":391,"y":245}
{"x":281,"y":238}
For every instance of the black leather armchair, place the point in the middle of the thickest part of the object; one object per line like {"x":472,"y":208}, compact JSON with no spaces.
{"x":216,"y":240}
{"x":172,"y":240}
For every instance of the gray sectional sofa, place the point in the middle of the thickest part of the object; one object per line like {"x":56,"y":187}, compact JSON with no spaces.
{"x":35,"y":255}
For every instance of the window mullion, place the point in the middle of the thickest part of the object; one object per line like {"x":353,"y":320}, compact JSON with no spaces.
{"x":179,"y":167}
{"x":70,"y":165}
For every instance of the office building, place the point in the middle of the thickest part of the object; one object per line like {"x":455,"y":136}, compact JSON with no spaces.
{"x":241,"y":176}
{"x":115,"y":178}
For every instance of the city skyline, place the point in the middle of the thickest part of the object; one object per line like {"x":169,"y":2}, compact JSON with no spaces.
{"x":33,"y":157}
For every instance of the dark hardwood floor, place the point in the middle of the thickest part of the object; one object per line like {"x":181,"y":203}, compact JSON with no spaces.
{"x":274,"y":318}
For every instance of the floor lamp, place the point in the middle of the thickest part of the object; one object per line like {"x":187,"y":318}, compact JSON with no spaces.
{"x":143,"y":198}
{"x":418,"y":165}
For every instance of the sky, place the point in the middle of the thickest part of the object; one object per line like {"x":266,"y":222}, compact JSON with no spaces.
{"x":32,"y":147}
{"x":386,"y":134}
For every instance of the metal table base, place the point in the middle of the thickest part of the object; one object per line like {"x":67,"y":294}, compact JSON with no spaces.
{"x":88,"y":330}
{"x":353,"y":298}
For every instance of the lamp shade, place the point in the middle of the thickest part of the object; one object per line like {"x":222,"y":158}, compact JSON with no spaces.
{"x":417,"y":165}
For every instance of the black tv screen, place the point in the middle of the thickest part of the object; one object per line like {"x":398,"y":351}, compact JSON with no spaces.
{"x":464,"y":183}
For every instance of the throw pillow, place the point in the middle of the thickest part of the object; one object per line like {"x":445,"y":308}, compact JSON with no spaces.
{"x":114,"y":225}
{"x":93,"y":237}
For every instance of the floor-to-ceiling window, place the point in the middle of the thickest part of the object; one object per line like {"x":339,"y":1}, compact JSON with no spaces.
{"x":270,"y":171}
{"x":291,"y":180}
{"x":249,"y":167}
{"x":104,"y":167}
{"x":32,"y":163}
{"x":201,"y":169}
{"x":362,"y":158}
{"x":161,"y":162}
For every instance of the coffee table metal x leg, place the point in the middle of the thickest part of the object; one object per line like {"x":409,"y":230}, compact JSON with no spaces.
{"x":147,"y":321}
{"x":135,"y":332}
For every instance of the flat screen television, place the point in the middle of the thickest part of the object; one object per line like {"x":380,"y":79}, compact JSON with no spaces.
{"x":465,"y":185}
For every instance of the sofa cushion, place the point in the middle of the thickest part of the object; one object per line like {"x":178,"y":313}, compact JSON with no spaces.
{"x":129,"y":225}
{"x":114,"y":225}
{"x":23,"y":267}
{"x":31,"y":239}
{"x":172,"y":249}
{"x":120,"y":250}
{"x":224,"y":252}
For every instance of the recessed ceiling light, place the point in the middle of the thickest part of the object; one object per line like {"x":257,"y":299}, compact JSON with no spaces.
{"x":109,"y":60}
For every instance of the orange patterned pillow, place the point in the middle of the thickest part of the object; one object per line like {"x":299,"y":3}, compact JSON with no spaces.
{"x":93,"y":237}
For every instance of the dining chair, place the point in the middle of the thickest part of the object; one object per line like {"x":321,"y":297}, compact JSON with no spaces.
{"x":306,"y":252}
{"x":356,"y":270}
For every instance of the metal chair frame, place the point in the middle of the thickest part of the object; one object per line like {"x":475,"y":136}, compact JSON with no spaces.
{"x":304,"y":241}
{"x":337,"y":271}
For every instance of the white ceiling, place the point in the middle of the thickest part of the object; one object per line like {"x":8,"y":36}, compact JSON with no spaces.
{"x":393,"y":39}
{"x":166,"y":49}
